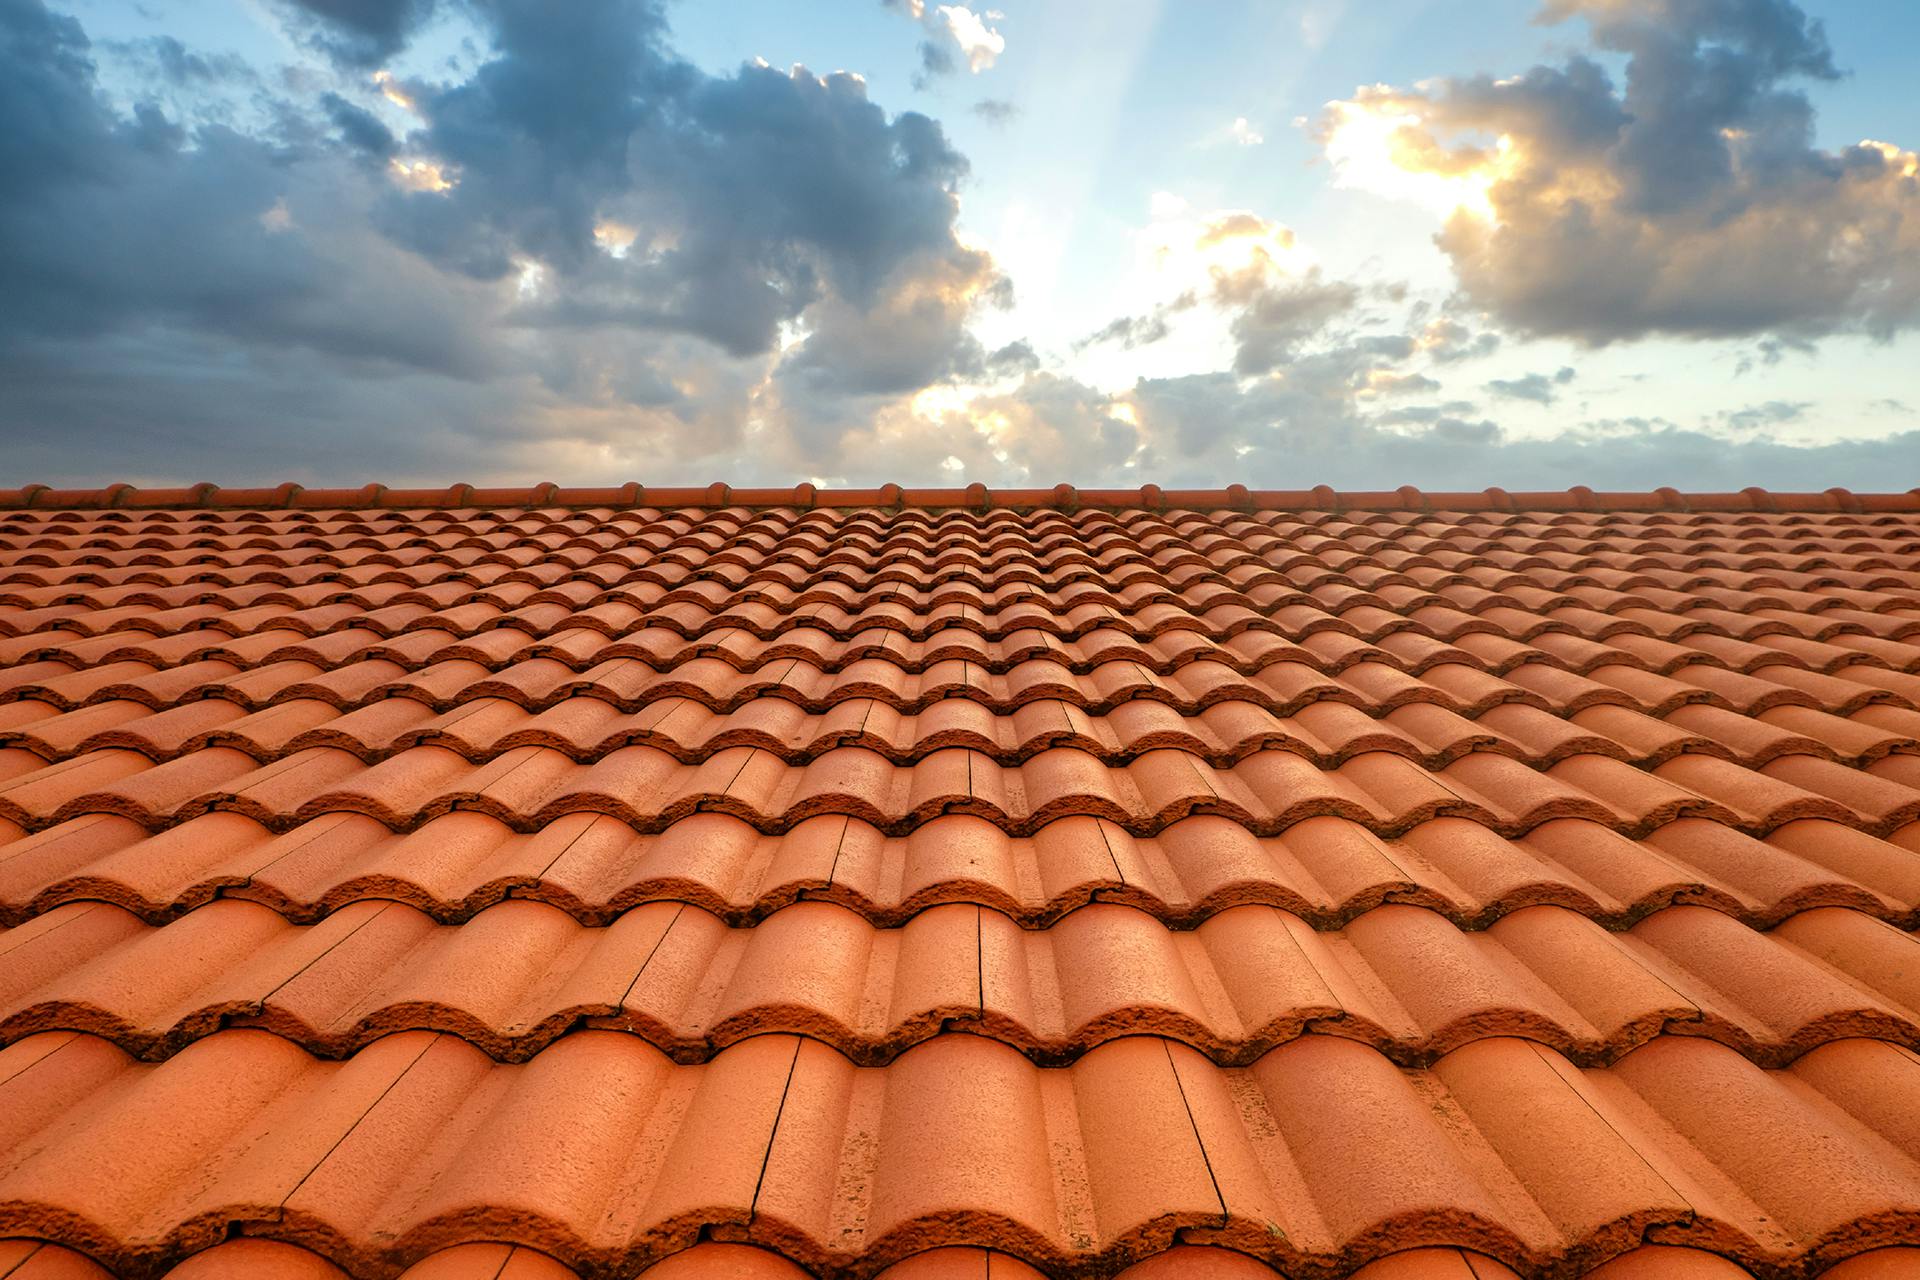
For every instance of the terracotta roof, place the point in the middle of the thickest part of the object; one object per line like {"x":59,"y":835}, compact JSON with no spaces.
{"x":529,"y":884}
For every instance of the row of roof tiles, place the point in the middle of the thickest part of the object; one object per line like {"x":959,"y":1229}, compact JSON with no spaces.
{"x":1061,"y":544}
{"x":414,"y":636}
{"x":1063,"y":548}
{"x":1014,"y":628}
{"x":1058,"y":546}
{"x":208,"y":496}
{"x":1206,"y":598}
{"x":1319,"y":1157}
{"x":1328,"y":732}
{"x":520,"y":975}
{"x":1267,"y":791}
{"x":1043,"y":551}
{"x":1211,"y":601}
{"x":1326,"y":870}
{"x":251,"y":1258}
{"x":1279,"y":687}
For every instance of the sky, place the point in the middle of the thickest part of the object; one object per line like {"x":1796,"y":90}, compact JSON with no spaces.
{"x":1619,"y":243}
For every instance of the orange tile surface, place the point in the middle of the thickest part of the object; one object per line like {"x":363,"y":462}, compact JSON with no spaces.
{"x":547,"y":884}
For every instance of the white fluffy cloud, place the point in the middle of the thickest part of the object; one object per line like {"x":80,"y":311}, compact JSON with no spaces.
{"x":956,"y":36}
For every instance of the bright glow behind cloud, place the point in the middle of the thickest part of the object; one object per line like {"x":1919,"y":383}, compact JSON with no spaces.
{"x":1376,"y":143}
{"x":421,"y":175}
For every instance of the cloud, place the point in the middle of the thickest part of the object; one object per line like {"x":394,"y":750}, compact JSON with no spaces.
{"x":1013,"y":359}
{"x":997,"y":111}
{"x":1448,"y":340}
{"x":179,"y":66}
{"x":1773,"y":413}
{"x":1196,"y":429}
{"x":1239,"y":133}
{"x":1272,"y":317}
{"x":1689,"y":200}
{"x":1274,"y":304}
{"x":587,"y":247}
{"x":911,"y":333}
{"x":361,"y":34}
{"x":584,"y":257}
{"x":1536,"y":387}
{"x":979,"y":44}
{"x":1249,"y":269}
{"x":1141,"y":330}
{"x":1771,"y":351}
{"x":955,"y":36}
{"x":1336,"y":413}
{"x":1048,"y":425}
{"x":359,"y":128}
{"x":759,"y":195}
{"x":1383,"y":383}
{"x":114,"y":224}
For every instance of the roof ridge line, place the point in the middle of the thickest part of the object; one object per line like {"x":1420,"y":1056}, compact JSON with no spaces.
{"x":976,"y":497}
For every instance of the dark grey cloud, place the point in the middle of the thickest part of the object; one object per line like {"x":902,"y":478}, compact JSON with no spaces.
{"x":996,"y":110}
{"x":1771,"y":351}
{"x":109,"y":224}
{"x":1014,"y":358}
{"x":754,"y":196}
{"x":1423,"y":414}
{"x":182,"y":67}
{"x":1772,"y":413}
{"x":1273,"y":316}
{"x":903,"y":340}
{"x":1540,"y":388}
{"x":1690,"y":199}
{"x":1697,"y":69}
{"x":1130,"y":331}
{"x":621,"y":251}
{"x":1389,"y":346}
{"x":361,"y":34}
{"x":936,"y":60}
{"x":359,"y":128}
{"x":1141,"y":330}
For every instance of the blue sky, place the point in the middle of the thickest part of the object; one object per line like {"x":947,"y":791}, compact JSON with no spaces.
{"x":1624,"y":243}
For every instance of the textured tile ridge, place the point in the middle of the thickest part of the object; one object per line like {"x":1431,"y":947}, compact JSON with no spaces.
{"x":1327,"y":731}
{"x":915,"y":635}
{"x":1283,"y":689}
{"x":979,"y":497}
{"x":1267,"y":791}
{"x":1326,"y":870}
{"x":1321,"y":1156}
{"x":518,"y":976}
{"x":255,"y":1258}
